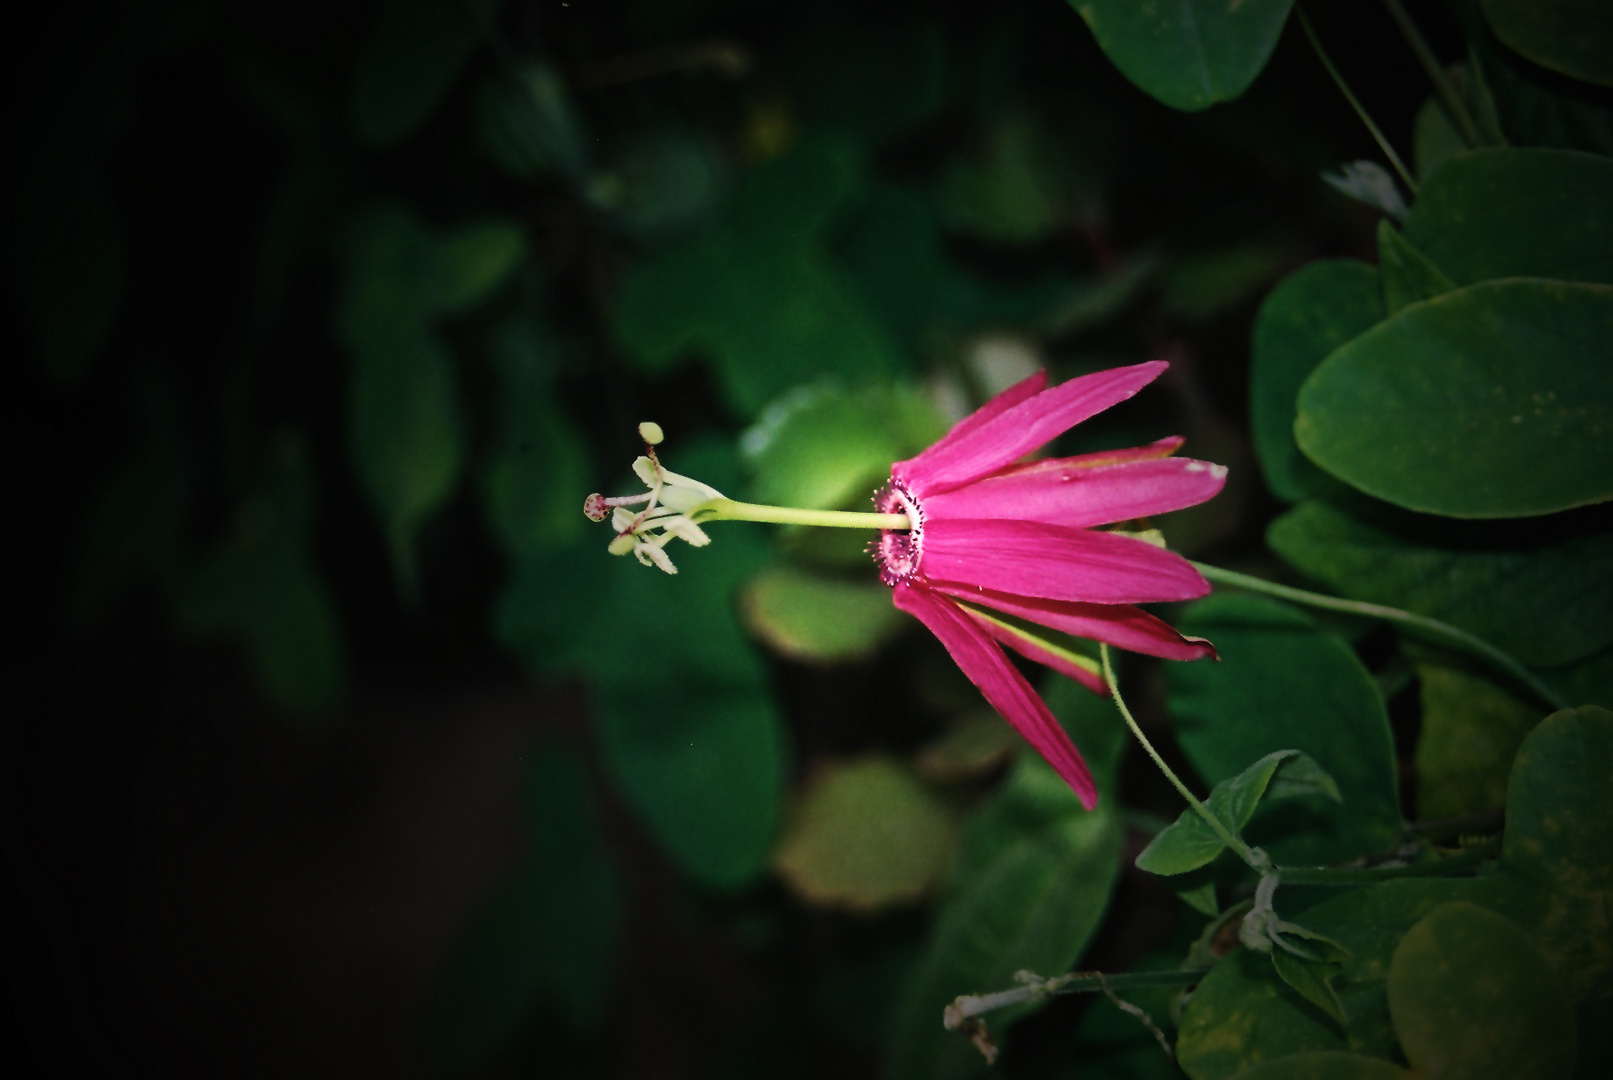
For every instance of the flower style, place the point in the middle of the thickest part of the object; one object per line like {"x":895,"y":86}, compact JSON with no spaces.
{"x":986,"y":532}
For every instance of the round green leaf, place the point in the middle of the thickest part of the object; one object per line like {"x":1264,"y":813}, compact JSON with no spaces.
{"x":864,"y":835}
{"x":1470,"y":734}
{"x":1325,"y":1065}
{"x":1574,"y":37}
{"x":1494,"y":400}
{"x":1546,"y":605}
{"x":1517,"y":213}
{"x":1284,"y":684}
{"x":809,"y":617}
{"x":1309,"y":314}
{"x":1472,"y":998}
{"x":1189,"y":54}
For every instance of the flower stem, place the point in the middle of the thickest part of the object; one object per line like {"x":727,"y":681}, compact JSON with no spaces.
{"x":1448,"y":97}
{"x":1466,"y":859}
{"x":732,"y":510}
{"x":1258,"y":862}
{"x":1418,"y":625}
{"x":1360,"y":110}
{"x":1076,"y":982}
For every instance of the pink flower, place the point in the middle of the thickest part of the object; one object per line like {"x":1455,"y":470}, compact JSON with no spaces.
{"x":1018,"y":538}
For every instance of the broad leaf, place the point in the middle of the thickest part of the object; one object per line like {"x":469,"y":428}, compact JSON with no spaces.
{"x":814,"y":618}
{"x":1189,"y":54}
{"x":1574,"y":37}
{"x":1407,"y":274}
{"x":1546,"y":605}
{"x":1283,"y":683}
{"x":1309,"y":314}
{"x":1325,"y":1065}
{"x":1471,"y":998}
{"x":1470,"y":734}
{"x":1490,"y":401}
{"x":1314,"y":981}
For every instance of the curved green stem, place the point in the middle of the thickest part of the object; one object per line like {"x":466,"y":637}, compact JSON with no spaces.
{"x":1257,"y":861}
{"x":1466,"y":859}
{"x":1360,"y":110}
{"x":1419,"y":625}
{"x":733,"y":510}
{"x":1448,"y":97}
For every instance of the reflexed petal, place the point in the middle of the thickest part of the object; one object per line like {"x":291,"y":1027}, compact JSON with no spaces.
{"x":1023,"y":390}
{"x":1079,"y":668}
{"x":1014,"y":432}
{"x":1121,"y":625}
{"x":1060,"y":493}
{"x":1026,"y":558}
{"x":1003,"y":686}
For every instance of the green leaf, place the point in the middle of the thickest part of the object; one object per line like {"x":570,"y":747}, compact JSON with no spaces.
{"x":759,"y":296}
{"x":1022,"y":181}
{"x":809,"y":617}
{"x":1188,"y":54}
{"x":260,"y":586}
{"x":1546,"y":605}
{"x":1517,"y":213}
{"x":1470,"y":734}
{"x":474,"y":260}
{"x":661,"y":184}
{"x":864,"y":835}
{"x":525,"y":123}
{"x":1029,"y":890}
{"x":547,"y":936}
{"x":1205,"y":284}
{"x":1472,"y":998}
{"x":872,"y":80}
{"x":1574,"y":37}
{"x":1189,"y":843}
{"x":825,"y":448}
{"x":1313,"y":979}
{"x":1559,"y":834}
{"x":406,"y":66}
{"x":1309,"y":314}
{"x":1325,"y":1065}
{"x":1535,"y":107}
{"x":1405,"y":272}
{"x":1283,"y":683}
{"x":1490,"y":401}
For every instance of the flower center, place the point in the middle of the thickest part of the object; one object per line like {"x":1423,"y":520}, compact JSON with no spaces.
{"x":898,"y":553}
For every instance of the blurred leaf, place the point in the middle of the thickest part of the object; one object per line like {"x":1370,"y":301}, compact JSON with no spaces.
{"x":134,"y":529}
{"x":1189,"y":843}
{"x":551,"y":597}
{"x":662,"y":184}
{"x":1588,"y":682}
{"x":406,"y":66}
{"x":758,"y":296}
{"x":1546,"y":605}
{"x":526,"y":125}
{"x":1309,"y":314}
{"x":813,"y":618}
{"x":473,"y":260}
{"x":1283,"y":683}
{"x":864,"y":835}
{"x":1023,"y":181}
{"x":1517,"y":213}
{"x":539,"y":471}
{"x":1205,"y":284}
{"x":973,"y":746}
{"x":1406,"y":274}
{"x":547,"y":937}
{"x":1325,"y":1065}
{"x":1489,"y":401}
{"x":893,"y":251}
{"x":69,"y":267}
{"x":1536,"y":107}
{"x":1559,"y":833}
{"x":872,"y":81}
{"x":260,"y":586}
{"x":1471,"y":731}
{"x":1189,"y":54}
{"x":1574,"y":37}
{"x":825,"y":448}
{"x":1472,"y":998}
{"x":1029,"y":889}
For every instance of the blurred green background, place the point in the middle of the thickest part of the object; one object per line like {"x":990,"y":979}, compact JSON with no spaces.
{"x":340,"y":745}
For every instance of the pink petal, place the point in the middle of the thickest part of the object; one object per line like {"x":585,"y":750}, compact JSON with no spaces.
{"x":1057,"y":492}
{"x":1162,"y":448}
{"x":1027,"y":558}
{"x":1029,"y":647}
{"x":1003,"y":686}
{"x":1121,"y":625}
{"x":1016,"y":431}
{"x":1026,"y":388}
